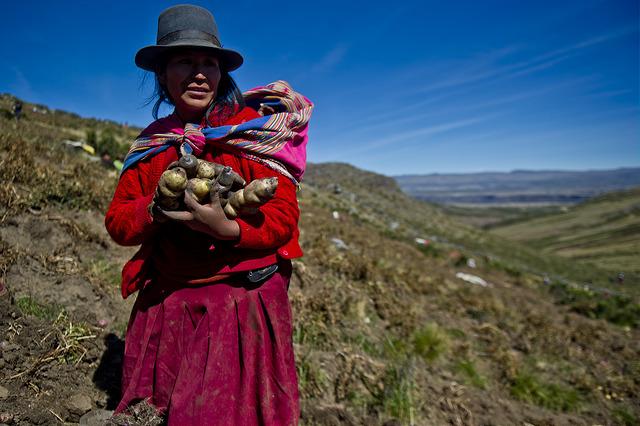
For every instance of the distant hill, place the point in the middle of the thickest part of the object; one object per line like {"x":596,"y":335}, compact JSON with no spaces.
{"x":604,"y":231}
{"x":517,"y":187}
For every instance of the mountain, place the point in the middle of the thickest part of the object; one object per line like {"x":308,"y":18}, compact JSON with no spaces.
{"x":518,"y":187}
{"x":402,"y":314}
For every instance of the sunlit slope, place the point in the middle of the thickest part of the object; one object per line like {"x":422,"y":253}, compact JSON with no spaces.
{"x":604,"y":231}
{"x":379,"y":201}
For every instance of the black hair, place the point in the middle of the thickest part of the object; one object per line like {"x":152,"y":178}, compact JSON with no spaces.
{"x":228,"y":95}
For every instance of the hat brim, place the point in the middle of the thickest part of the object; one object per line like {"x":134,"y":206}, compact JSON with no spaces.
{"x":148,"y":57}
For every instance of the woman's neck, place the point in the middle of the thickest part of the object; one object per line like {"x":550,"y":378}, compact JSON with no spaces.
{"x":194,"y":117}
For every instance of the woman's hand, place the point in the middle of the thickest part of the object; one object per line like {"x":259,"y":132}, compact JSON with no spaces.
{"x":208,"y":218}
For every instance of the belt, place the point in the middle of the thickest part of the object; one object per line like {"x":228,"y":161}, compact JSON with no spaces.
{"x":254,"y":276}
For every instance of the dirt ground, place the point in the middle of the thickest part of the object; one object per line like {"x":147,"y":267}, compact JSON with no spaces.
{"x":66,"y":355}
{"x":62,"y":323}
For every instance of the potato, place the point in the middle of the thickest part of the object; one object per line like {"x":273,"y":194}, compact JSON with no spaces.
{"x":171,"y":188}
{"x":180,"y":175}
{"x":207,"y":170}
{"x":200,"y":188}
{"x":190,"y":165}
{"x":174,"y":180}
{"x":252,"y":196}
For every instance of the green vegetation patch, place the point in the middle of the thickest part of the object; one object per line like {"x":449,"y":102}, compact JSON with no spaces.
{"x":430,"y":342}
{"x":106,"y":141}
{"x":105,"y":272}
{"x":529,"y":387}
{"x":398,"y":397}
{"x":467,"y":369}
{"x":625,"y":416}
{"x":616,"y":308}
{"x":311,"y":379}
{"x":29,"y":306}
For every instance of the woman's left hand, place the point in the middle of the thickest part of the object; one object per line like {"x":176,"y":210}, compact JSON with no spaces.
{"x":208,"y":218}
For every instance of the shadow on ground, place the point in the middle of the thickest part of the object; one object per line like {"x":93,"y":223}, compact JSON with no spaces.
{"x":107,"y":376}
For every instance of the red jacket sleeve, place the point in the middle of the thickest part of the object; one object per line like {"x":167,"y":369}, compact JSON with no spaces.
{"x":277,"y":222}
{"x":128,"y":220}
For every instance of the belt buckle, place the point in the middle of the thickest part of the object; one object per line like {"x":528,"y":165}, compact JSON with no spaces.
{"x":261,"y":274}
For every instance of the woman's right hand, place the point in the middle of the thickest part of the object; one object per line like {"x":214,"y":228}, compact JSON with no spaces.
{"x":208,"y":218}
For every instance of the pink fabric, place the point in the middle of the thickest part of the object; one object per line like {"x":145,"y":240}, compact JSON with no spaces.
{"x":216,"y":354}
{"x":294,"y":154}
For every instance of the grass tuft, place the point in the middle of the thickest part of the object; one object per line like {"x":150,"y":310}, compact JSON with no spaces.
{"x":468,"y":369}
{"x":528,"y":387}
{"x":430,"y":342}
{"x":29,"y":306}
{"x":398,"y":396}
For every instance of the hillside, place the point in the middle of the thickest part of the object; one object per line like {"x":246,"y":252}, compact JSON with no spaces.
{"x":388,"y":329}
{"x":604,"y":231}
{"x":518,"y":188}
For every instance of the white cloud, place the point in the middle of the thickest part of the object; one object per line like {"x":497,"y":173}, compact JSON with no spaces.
{"x":330,"y":59}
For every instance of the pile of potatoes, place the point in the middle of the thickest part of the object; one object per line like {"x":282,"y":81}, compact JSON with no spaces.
{"x":202,"y":177}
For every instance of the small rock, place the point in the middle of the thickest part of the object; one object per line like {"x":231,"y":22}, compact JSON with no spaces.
{"x":35,"y":417}
{"x":96,"y":417}
{"x":339,"y":244}
{"x":79,"y":404}
{"x":10,"y":356}
{"x":6,"y":418}
{"x":103,"y":323}
{"x":473,"y":279}
{"x":4,"y":393}
{"x":10,"y":346}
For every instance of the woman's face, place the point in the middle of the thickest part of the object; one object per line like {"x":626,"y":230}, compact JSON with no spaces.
{"x":191,"y":78}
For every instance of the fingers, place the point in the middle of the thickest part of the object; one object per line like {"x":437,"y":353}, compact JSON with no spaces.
{"x":190,"y":200}
{"x":214,"y":193}
{"x":179,"y":215}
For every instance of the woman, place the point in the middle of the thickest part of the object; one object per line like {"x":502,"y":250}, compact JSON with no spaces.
{"x":209,"y":338}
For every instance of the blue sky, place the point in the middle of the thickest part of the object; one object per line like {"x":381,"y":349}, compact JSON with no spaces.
{"x":400,"y":87}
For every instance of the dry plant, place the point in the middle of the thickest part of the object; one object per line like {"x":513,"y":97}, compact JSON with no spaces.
{"x":66,"y":338}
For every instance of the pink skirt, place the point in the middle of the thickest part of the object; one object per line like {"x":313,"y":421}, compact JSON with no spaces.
{"x":216,"y":354}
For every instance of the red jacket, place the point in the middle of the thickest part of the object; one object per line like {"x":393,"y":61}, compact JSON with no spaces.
{"x":174,"y":251}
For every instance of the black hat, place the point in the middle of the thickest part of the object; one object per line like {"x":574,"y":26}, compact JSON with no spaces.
{"x":186,"y":25}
